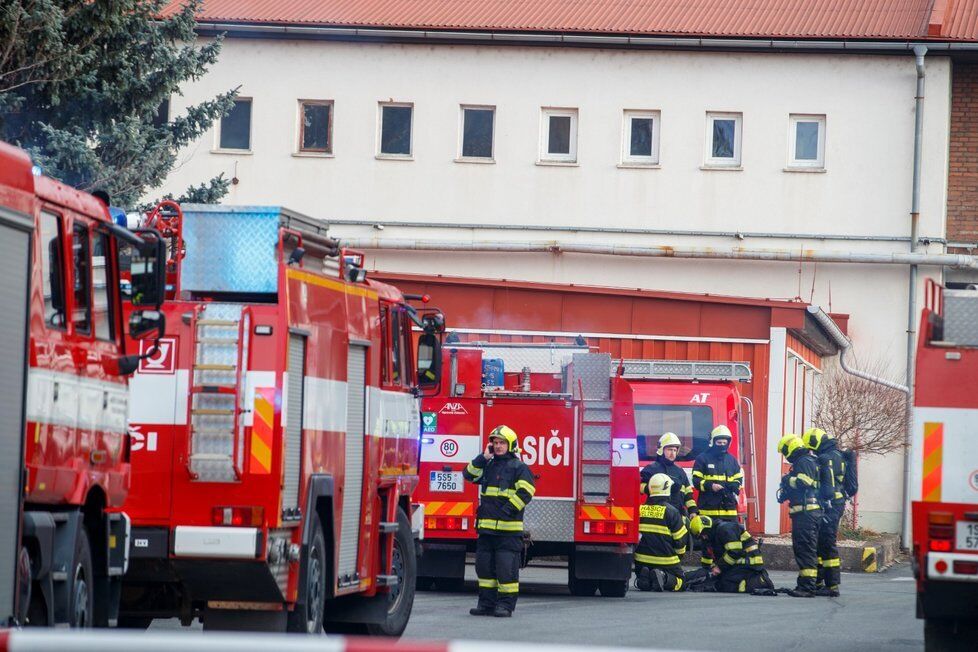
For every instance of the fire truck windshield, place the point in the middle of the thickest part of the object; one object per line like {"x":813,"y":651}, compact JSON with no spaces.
{"x":691,"y":423}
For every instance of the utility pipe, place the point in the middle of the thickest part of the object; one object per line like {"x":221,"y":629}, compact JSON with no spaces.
{"x":734,"y":253}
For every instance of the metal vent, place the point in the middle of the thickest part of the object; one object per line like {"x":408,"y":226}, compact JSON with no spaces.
{"x":356,"y":398}
{"x":293,"y":428}
{"x":683,"y":370}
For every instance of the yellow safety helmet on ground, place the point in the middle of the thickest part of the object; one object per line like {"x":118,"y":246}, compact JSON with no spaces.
{"x":699,"y":523}
{"x":660,"y":484}
{"x":668,"y":439}
{"x":720,"y":432}
{"x":508,"y":435}
{"x":814,"y":437}
{"x":789,"y":444}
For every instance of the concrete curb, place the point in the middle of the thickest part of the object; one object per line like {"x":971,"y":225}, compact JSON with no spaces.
{"x":871,"y":556}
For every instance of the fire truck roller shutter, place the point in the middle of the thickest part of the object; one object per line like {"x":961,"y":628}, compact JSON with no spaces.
{"x":293,"y":424}
{"x":15,"y":249}
{"x":353,"y":484}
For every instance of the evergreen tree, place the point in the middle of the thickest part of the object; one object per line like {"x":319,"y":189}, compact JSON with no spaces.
{"x":82,"y":84}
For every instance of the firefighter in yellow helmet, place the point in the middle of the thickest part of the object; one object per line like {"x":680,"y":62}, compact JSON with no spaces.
{"x":739,"y":565}
{"x":718,"y":477}
{"x":800,"y":488}
{"x":831,"y":474}
{"x":505,"y":488}
{"x":663,"y":532}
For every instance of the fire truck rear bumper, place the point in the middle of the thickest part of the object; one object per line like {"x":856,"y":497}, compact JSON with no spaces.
{"x":217,"y":542}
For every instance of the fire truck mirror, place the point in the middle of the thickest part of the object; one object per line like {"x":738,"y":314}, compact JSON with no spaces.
{"x":146,"y":324}
{"x":148,"y":270}
{"x":429,"y":360}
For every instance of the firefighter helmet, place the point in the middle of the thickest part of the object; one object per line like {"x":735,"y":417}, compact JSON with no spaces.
{"x":789,"y":444}
{"x":699,"y":523}
{"x":813,"y":438}
{"x":508,"y":435}
{"x":668,"y":439}
{"x":720,"y":432}
{"x":660,"y":484}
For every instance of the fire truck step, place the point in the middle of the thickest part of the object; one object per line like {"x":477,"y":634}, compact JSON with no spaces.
{"x":210,"y":457}
{"x":387,"y":580}
{"x":218,"y":341}
{"x":213,"y":432}
{"x":215,"y":367}
{"x":223,"y":390}
{"x":388,"y":527}
{"x":217,"y":322}
{"x":212,"y":412}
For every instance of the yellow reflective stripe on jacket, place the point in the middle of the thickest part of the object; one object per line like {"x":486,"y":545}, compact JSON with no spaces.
{"x":643,"y":488}
{"x":474,"y":470}
{"x":730,"y":560}
{"x":793,"y":481}
{"x":744,"y":536}
{"x":499,"y":526}
{"x":679,"y":584}
{"x":718,"y":512}
{"x":681,"y":551}
{"x":739,"y":475}
{"x":715,"y":478}
{"x":756,"y":560}
{"x":496,"y":491}
{"x":516,"y":502}
{"x":648,"y":528}
{"x":751,"y":548}
{"x":733,"y":545}
{"x":832,"y":563}
{"x":487,"y":584}
{"x":680,"y":533}
{"x":509,"y":587}
{"x":807,"y":508}
{"x":526,"y":486}
{"x":686,"y":489}
{"x":808,"y":572}
{"x":655,"y":559}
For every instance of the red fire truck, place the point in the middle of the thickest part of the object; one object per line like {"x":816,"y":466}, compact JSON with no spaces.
{"x":276,"y":432}
{"x":587,"y":423}
{"x":944,"y":470}
{"x":61,"y":244}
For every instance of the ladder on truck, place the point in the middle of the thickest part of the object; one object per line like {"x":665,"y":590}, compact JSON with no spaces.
{"x":217,"y":381}
{"x":590,"y":384}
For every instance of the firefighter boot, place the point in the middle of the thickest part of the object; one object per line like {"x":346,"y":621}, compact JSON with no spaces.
{"x":827,"y":592}
{"x":502,"y":612}
{"x":643,"y":579}
{"x":799,"y":592}
{"x":480,"y":611}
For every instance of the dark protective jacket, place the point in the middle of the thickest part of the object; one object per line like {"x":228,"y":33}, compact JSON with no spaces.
{"x":800,"y":484}
{"x":682,"y":493}
{"x":505,"y":488}
{"x":663,"y":533}
{"x":733,"y":546}
{"x":720,"y":467}
{"x":831,"y":472}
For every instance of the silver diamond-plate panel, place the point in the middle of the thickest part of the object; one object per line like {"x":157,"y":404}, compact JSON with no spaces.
{"x":961,"y":317}
{"x":591,"y":371}
{"x":356,"y":398}
{"x":549,"y":520}
{"x":596,"y":485}
{"x":597,"y":411}
{"x":596,"y":451}
{"x":230,"y":248}
{"x":293,"y":430}
{"x":683,"y":370}
{"x":540,"y":359}
{"x":597,"y":433}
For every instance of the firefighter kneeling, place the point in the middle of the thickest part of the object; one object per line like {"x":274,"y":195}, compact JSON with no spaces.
{"x":506,"y":486}
{"x":663,"y":531}
{"x":738,"y":566}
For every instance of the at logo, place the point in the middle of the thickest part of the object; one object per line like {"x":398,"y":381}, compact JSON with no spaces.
{"x":552,"y":450}
{"x":453,"y":408}
{"x":141,"y":441}
{"x":700,"y":398}
{"x":161,"y":362}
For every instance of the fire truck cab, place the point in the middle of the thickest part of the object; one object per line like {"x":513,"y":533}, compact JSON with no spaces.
{"x":277,"y":432}
{"x":75,"y":476}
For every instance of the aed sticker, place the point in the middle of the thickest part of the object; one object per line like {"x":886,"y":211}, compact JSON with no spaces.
{"x":973,"y":480}
{"x":449,"y":448}
{"x":429,"y":422}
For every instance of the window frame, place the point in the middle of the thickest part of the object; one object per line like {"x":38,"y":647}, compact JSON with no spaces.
{"x":806,"y":164}
{"x":713,"y":162}
{"x":300,"y":128}
{"x":111,"y":309}
{"x":62,"y":268}
{"x":251,"y":131}
{"x":627,"y":158}
{"x":544,"y":155}
{"x":380,"y":132}
{"x":462,"y":158}
{"x":81,"y":228}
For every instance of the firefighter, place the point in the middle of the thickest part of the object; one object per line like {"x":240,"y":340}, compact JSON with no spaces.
{"x":665,"y":462}
{"x":739,"y":564}
{"x":800,"y":488}
{"x":831,"y":472}
{"x":663,"y":530}
{"x":506,"y":486}
{"x":718,"y":477}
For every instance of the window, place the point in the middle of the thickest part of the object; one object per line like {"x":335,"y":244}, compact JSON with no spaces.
{"x":51,"y":266}
{"x":558,"y":131}
{"x":82,"y":263}
{"x":806,"y":141}
{"x":640,"y":144}
{"x":236,"y":127}
{"x":723,"y":139}
{"x":691,"y":424}
{"x":102,"y":306}
{"x":477,"y":132}
{"x":395,"y":130}
{"x":316,"y":126}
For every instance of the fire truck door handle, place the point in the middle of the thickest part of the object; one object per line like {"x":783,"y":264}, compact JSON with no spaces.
{"x":56,"y":391}
{"x":105,"y":400}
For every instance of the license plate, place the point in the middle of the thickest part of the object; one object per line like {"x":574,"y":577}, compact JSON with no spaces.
{"x":967,"y":538}
{"x":446,"y":481}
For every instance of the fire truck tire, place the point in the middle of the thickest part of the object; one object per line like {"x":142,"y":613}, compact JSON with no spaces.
{"x":307,"y":617}
{"x":581,"y":588}
{"x":941,"y":635}
{"x":81,"y":602}
{"x":134,"y":622}
{"x":24,"y":582}
{"x":401,"y":597}
{"x":613,"y":588}
{"x":424,"y":583}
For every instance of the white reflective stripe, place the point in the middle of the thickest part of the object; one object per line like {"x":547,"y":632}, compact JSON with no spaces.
{"x":949,"y":558}
{"x":467,"y":447}
{"x":392,"y":415}
{"x":625,"y":452}
{"x":215,"y":542}
{"x":79,"y":401}
{"x":324,"y":405}
{"x":153,"y":398}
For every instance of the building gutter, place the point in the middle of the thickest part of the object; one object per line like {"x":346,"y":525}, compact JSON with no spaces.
{"x":719,"y":253}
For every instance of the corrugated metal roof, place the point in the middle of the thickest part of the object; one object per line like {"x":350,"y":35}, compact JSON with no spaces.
{"x":802,"y":19}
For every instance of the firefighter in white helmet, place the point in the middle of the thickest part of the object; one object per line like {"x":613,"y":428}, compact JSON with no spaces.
{"x":665,"y":462}
{"x":663,"y":530}
{"x":718,"y":477}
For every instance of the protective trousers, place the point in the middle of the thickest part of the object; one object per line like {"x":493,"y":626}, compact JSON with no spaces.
{"x":829,"y":574}
{"x":497,"y":565}
{"x":804,"y":541}
{"x":743,"y":579}
{"x":672,"y":577}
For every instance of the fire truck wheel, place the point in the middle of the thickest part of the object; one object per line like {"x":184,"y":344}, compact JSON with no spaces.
{"x":24,"y":581}
{"x":133,"y":622}
{"x":81,"y":592}
{"x":613,"y":588}
{"x":404,"y":565}
{"x":941,"y":635}
{"x":425,"y":583}
{"x":581,"y":588}
{"x":307,"y":617}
